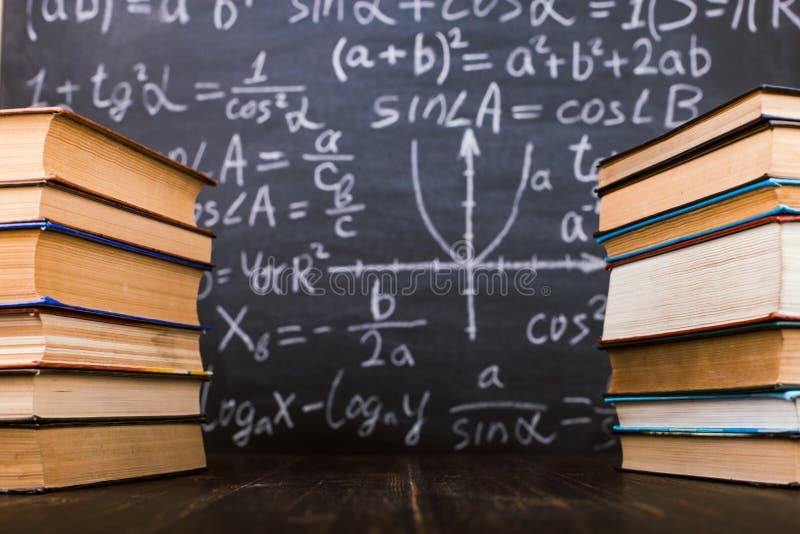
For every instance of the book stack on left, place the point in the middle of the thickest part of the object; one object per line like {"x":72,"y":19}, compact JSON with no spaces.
{"x":100,"y":266}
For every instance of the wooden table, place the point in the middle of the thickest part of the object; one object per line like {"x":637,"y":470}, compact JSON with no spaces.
{"x":489,"y":493}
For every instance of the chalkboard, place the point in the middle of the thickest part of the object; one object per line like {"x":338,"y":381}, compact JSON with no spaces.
{"x":405,"y":209}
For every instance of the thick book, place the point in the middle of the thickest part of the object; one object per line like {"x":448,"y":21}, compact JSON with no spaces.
{"x":38,"y":457}
{"x":766,"y":101}
{"x":54,"y":201}
{"x":779,"y":215}
{"x":708,"y":218}
{"x":750,"y":275}
{"x":757,"y":458}
{"x":69,"y":394}
{"x":54,"y":142}
{"x":51,"y":336}
{"x":761,"y":355}
{"x":768,"y":148}
{"x":43,"y":261}
{"x":745,"y":412}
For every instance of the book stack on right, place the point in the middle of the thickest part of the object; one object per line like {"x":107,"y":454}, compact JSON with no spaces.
{"x":702,"y":232}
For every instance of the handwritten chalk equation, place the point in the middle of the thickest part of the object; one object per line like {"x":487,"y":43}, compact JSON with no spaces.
{"x":473,"y":424}
{"x":439,"y":55}
{"x":462,"y":254}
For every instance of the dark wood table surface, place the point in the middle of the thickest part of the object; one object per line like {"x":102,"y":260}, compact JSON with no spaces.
{"x":494,"y":493}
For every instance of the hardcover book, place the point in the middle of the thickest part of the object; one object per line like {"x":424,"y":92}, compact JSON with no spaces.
{"x":44,"y":262}
{"x":55,"y":202}
{"x":66,"y":394}
{"x":764,"y":102}
{"x":37,"y":457}
{"x":762,"y":355}
{"x":746,"y":457}
{"x":57,"y":337}
{"x":720,"y":214}
{"x":748,"y":276}
{"x":38,"y":143}
{"x":768,"y":148}
{"x":723,"y":412}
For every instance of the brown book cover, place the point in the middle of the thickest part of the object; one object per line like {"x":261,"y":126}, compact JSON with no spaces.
{"x":726,"y":120}
{"x":57,"y":337}
{"x":40,"y":143}
{"x":732,"y":161}
{"x":48,"y":263}
{"x":39,"y":457}
{"x":749,"y":356}
{"x":779,"y":219}
{"x":57,"y":202}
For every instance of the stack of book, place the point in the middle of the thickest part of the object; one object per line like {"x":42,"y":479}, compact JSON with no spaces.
{"x":702,"y":232}
{"x":100,"y":266}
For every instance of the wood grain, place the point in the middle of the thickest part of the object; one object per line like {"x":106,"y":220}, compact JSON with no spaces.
{"x":412,"y":493}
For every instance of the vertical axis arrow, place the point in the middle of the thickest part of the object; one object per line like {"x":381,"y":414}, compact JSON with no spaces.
{"x":468,"y":151}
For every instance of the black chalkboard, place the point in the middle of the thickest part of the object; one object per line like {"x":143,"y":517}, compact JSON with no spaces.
{"x":367,"y":147}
